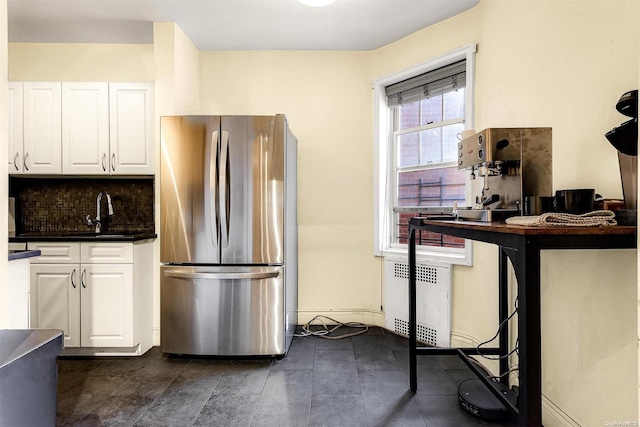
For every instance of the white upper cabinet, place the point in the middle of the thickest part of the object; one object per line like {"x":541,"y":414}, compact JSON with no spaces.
{"x":85,"y":128}
{"x":80,"y":128}
{"x":42,"y":128}
{"x":131,"y":128}
{"x":15,"y":126}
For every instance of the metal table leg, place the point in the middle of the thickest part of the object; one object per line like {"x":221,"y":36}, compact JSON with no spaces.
{"x":413,"y":379}
{"x":526,"y":264}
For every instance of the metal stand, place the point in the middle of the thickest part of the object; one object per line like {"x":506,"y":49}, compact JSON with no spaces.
{"x":522,"y":246}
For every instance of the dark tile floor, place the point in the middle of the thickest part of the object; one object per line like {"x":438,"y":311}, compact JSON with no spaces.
{"x":356,"y":381}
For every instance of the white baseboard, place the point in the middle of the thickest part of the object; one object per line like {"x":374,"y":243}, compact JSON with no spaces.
{"x":552,"y":415}
{"x":156,"y":337}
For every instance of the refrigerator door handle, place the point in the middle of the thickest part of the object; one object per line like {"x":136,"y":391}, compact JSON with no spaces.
{"x":225,"y":178}
{"x":211,"y":188}
{"x":176,"y":274}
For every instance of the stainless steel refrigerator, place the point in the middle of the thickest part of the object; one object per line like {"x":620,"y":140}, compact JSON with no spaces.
{"x":229,"y":239}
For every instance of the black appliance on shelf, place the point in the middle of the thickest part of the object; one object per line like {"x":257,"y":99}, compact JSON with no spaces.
{"x":625,"y":139}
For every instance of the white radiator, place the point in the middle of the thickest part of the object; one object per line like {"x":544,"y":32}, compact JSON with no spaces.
{"x":433,"y":301}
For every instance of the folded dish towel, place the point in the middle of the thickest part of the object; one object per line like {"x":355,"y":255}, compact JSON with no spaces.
{"x":555,"y":219}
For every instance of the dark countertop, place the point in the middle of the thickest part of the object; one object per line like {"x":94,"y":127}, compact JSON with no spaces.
{"x":80,"y":236}
{"x":13,"y":255}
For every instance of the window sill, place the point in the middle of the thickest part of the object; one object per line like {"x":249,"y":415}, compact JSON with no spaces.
{"x":425,"y":255}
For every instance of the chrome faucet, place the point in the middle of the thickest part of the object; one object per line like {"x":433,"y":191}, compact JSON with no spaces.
{"x":98,"y":219}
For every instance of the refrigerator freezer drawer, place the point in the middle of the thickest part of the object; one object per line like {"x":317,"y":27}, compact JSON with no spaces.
{"x":224,"y":311}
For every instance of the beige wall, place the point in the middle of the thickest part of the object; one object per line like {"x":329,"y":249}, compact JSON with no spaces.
{"x":81,"y":62}
{"x":326,"y":97}
{"x":563,"y":65}
{"x":177,"y":76}
{"x":539,"y":63}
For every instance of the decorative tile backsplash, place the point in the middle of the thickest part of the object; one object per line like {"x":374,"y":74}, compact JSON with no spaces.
{"x":61,"y":204}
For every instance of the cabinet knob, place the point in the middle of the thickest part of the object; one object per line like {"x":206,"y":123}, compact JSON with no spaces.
{"x":73,"y":275}
{"x":113,"y":162}
{"x":82,"y":278}
{"x":26,"y":168}
{"x":104,"y":162}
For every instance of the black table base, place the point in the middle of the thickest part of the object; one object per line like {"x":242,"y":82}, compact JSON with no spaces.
{"x":521,"y":246}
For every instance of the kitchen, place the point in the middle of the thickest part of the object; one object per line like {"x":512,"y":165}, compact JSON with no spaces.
{"x":556,"y":64}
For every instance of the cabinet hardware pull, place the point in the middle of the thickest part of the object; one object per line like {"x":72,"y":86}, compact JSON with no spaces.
{"x":113,"y":162}
{"x":73,"y":274}
{"x":15,"y":161}
{"x":82,"y":278}
{"x":25,"y":162}
{"x":104,"y":164}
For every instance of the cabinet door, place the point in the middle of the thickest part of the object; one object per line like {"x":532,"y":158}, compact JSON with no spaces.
{"x":131,"y":128}
{"x":107,"y":305}
{"x":15,"y":127}
{"x":85,"y":128}
{"x":55,"y":299}
{"x":42,"y":128}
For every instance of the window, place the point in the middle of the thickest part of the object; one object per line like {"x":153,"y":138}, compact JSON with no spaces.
{"x":420,"y":111}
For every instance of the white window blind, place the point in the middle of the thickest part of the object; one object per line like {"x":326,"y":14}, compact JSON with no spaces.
{"x":427,"y":85}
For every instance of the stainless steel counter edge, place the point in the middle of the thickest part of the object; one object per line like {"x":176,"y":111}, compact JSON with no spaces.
{"x":15,"y":343}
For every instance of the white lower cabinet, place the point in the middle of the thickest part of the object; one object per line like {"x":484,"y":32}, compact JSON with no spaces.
{"x":55,"y":299}
{"x":106,"y":306}
{"x":98,"y":293}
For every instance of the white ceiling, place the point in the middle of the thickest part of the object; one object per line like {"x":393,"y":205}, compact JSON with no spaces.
{"x":230,"y":24}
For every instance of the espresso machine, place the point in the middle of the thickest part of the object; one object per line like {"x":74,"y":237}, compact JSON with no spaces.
{"x":505,"y":164}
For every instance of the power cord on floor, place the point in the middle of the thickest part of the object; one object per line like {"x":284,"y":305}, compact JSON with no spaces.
{"x":326,"y":331}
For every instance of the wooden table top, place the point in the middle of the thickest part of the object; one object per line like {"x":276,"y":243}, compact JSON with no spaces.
{"x":500,"y":227}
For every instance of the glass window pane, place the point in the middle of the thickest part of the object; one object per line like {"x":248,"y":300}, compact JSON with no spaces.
{"x":409,"y":115}
{"x":450,"y":141}
{"x":431,"y":187}
{"x":409,"y":149}
{"x":453,"y":104}
{"x":431,"y":146}
{"x":431,"y":110}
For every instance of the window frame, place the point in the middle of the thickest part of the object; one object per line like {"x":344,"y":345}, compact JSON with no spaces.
{"x":384,"y":158}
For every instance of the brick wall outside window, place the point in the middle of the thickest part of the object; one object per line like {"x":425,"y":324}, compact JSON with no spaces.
{"x":423,"y":150}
